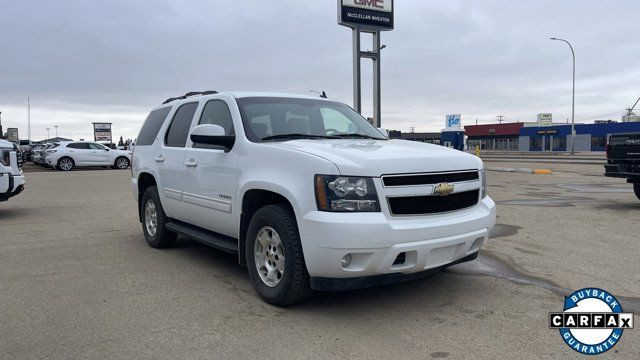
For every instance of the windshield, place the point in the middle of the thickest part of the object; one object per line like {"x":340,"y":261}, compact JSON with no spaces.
{"x":271,"y":118}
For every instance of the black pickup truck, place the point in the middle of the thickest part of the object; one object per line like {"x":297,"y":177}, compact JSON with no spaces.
{"x":623,"y":158}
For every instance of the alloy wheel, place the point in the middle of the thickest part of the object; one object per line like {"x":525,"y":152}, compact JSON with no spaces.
{"x":269,"y":256}
{"x":151,"y":218}
{"x":66,"y":164}
{"x":122,"y":163}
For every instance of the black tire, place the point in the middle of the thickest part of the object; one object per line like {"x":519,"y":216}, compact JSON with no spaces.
{"x":61,"y":164}
{"x":124,"y":159}
{"x":636,"y":189}
{"x":294,"y":285}
{"x":162,"y":238}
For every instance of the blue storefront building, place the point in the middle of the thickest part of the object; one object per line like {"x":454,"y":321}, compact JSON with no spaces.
{"x":589,"y":137}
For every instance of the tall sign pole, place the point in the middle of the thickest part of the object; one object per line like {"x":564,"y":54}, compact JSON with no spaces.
{"x":357,"y":70}
{"x":29,"y":119}
{"x":368,"y":16}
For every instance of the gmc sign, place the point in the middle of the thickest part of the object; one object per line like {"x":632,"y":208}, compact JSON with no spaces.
{"x":372,"y":15}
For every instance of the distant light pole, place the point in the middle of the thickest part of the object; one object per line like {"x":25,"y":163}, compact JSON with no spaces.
{"x":56,"y":126}
{"x":573,"y":98}
{"x":48,"y":137}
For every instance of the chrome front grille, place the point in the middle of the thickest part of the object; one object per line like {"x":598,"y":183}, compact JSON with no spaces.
{"x":427,"y":179}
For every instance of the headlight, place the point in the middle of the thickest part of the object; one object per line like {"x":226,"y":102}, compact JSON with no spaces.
{"x":346,"y":194}
{"x":483,"y":178}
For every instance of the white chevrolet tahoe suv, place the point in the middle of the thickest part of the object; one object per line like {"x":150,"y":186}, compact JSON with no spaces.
{"x":306,"y":192}
{"x":11,"y":177}
{"x":71,"y":154}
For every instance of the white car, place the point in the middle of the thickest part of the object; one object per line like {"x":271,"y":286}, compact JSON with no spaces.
{"x":71,"y":154}
{"x":306,"y":192}
{"x":11,"y":177}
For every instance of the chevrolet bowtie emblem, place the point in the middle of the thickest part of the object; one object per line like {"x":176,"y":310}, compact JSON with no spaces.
{"x":443,"y":189}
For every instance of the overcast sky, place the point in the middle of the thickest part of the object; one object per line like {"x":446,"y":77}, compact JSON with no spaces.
{"x":85,"y":61}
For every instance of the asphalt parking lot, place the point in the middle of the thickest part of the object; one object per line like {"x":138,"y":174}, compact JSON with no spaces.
{"x":77,"y":280}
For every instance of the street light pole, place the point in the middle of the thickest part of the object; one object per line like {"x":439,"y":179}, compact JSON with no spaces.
{"x":48,"y":137}
{"x":56,"y":126}
{"x":573,"y":98}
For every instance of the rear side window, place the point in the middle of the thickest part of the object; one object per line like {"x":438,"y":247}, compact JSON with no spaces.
{"x":179,"y":128}
{"x":78,"y":146}
{"x":151,"y":126}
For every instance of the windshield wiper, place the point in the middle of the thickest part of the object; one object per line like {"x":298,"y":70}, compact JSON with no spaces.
{"x":298,"y":136}
{"x":356,"y":135}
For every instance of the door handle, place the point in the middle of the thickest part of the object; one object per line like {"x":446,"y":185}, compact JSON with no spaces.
{"x":159,"y":158}
{"x":191,"y":163}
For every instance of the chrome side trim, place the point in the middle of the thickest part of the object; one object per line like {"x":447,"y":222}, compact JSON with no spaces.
{"x":172,"y":194}
{"x":211,"y":203}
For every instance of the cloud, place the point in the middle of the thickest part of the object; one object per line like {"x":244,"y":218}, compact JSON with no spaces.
{"x":90,"y":61}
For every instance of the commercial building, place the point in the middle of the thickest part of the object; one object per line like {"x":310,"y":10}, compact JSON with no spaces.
{"x":589,"y":137}
{"x":494,"y":136}
{"x":530,"y":137}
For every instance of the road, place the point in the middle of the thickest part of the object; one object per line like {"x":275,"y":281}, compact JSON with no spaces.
{"x":77,"y":280}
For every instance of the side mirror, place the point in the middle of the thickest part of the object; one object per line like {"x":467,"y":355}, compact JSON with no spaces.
{"x":13,"y":161}
{"x":209,"y":134}
{"x":383,"y":132}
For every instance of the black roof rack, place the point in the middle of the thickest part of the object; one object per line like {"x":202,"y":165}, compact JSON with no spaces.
{"x":192,"y":93}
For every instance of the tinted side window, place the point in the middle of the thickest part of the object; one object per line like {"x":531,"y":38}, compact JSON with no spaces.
{"x":152,"y":125}
{"x":179,"y":128}
{"x":217,"y":112}
{"x":78,"y":146}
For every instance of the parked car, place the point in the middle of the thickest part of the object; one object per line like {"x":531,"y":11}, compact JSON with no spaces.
{"x":306,"y":192}
{"x":36,"y":155}
{"x":623,"y":158}
{"x":11,"y":177}
{"x":71,"y":154}
{"x":45,"y":151}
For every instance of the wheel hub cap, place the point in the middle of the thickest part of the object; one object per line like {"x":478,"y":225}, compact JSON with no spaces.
{"x":151,"y":218}
{"x":65,"y":164}
{"x":269,"y":256}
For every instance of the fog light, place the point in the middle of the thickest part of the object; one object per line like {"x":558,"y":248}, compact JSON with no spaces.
{"x":346,"y":260}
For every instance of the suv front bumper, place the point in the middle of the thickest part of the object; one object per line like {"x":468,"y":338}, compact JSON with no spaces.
{"x":374,"y":241}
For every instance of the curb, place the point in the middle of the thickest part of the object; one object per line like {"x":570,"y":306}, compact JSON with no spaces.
{"x":521,"y":170}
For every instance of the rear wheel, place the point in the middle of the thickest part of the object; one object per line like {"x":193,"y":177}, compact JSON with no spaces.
{"x":154,"y":220}
{"x":636,"y":189}
{"x":274,"y":256}
{"x":65,"y":164}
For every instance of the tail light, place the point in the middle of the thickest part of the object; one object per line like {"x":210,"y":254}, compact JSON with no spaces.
{"x":608,"y":151}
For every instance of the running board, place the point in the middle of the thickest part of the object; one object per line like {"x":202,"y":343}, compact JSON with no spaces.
{"x":210,"y":238}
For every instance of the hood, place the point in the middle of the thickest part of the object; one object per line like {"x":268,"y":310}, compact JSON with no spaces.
{"x":381,"y":157}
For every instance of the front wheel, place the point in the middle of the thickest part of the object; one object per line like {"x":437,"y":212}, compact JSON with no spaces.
{"x":274,"y":256}
{"x":121,"y":163}
{"x":636,"y":189}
